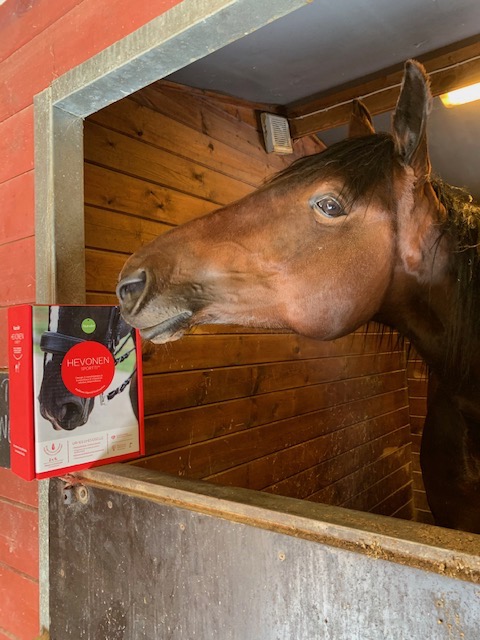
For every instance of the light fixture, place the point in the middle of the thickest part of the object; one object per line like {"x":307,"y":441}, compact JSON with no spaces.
{"x":461,"y":96}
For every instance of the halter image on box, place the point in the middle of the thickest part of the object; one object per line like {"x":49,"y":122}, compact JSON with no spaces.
{"x":75,"y":393}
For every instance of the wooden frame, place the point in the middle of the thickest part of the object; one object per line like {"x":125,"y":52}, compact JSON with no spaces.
{"x":449,"y":69}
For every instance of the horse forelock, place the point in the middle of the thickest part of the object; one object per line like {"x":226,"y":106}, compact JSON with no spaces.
{"x":363,"y":165}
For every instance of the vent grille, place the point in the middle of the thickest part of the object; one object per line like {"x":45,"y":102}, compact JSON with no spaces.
{"x":276,"y":133}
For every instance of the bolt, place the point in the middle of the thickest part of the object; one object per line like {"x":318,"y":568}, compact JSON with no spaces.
{"x":82,"y":494}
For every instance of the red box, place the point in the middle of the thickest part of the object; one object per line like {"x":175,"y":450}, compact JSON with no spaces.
{"x":76,"y":396}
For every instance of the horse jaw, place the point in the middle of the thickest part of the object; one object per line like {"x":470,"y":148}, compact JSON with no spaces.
{"x":168,"y":330}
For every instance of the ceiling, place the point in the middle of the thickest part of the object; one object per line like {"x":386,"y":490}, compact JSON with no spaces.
{"x":325,"y":45}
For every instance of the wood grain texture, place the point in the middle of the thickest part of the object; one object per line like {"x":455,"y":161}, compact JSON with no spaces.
{"x":328,"y":457}
{"x":17,"y":195}
{"x":18,"y":278}
{"x":15,"y":489}
{"x":19,"y":604}
{"x":127,"y":155}
{"x":18,"y":537}
{"x":234,"y":125}
{"x":120,"y":193}
{"x":417,"y":381}
{"x":449,"y":68}
{"x":16,"y":146}
{"x":69,"y":38}
{"x":224,"y":382}
{"x":21,"y":22}
{"x":154,"y":128}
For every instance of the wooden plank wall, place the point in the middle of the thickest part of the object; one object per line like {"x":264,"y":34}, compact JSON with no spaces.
{"x":268,"y":411}
{"x":417,"y":399}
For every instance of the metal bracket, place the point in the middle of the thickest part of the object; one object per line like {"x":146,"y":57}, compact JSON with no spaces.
{"x":68,"y":496}
{"x":76,"y":493}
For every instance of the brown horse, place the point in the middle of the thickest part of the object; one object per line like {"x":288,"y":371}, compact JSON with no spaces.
{"x":358,"y":232}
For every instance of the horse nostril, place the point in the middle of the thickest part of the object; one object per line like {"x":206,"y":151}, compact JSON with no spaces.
{"x":130,"y":288}
{"x":70,"y":416}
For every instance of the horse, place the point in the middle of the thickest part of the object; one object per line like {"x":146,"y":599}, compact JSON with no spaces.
{"x":361,"y":232}
{"x":62,"y":408}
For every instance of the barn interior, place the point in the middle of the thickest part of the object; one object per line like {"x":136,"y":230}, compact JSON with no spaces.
{"x":336,"y":422}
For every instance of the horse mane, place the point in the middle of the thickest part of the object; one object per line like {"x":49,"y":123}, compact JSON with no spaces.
{"x":366,"y":166}
{"x":462,"y":227}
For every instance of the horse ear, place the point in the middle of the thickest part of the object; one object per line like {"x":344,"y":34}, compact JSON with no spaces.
{"x":360,"y":121}
{"x":410,"y":119}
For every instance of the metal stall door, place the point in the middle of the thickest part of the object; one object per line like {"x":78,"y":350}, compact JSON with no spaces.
{"x":136,"y":555}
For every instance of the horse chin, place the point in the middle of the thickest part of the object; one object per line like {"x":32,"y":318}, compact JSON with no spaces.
{"x":168,"y":330}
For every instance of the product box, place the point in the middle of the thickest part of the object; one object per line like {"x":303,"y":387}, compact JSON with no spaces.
{"x":76,"y":397}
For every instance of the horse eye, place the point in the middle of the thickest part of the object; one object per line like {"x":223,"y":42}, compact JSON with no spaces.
{"x":329,"y":207}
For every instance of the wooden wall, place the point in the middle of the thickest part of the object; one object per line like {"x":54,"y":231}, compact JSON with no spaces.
{"x":417,"y":399}
{"x":275,"y":412}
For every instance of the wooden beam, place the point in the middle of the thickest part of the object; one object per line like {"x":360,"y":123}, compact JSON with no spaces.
{"x":448,"y":69}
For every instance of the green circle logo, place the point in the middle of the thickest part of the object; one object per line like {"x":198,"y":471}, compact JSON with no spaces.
{"x":88,"y":325}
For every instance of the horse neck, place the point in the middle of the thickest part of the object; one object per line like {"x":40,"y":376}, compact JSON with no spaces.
{"x":420,"y":314}
{"x":419,"y":306}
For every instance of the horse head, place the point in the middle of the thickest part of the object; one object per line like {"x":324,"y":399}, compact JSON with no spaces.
{"x":315,"y":250}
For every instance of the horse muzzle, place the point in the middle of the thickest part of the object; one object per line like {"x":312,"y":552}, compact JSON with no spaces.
{"x":160,"y":317}
{"x":70,"y":414}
